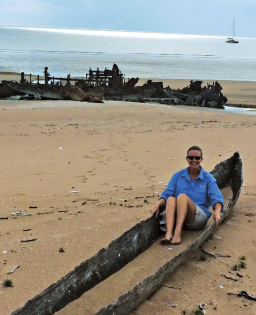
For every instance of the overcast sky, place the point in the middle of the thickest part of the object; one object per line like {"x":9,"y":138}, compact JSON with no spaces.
{"x":202,"y":17}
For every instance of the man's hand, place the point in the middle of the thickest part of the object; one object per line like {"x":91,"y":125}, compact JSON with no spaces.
{"x":216,"y":218}
{"x":216,"y":214}
{"x":155,"y":210}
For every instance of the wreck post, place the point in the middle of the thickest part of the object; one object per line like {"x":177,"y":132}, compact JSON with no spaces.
{"x":46,"y":76}
{"x":90,"y":76}
{"x":68,"y":79}
{"x":38,"y":78}
{"x":97,"y":76}
{"x":22,"y":78}
{"x":30,"y":78}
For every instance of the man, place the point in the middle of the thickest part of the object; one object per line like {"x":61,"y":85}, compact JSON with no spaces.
{"x":187,"y":198}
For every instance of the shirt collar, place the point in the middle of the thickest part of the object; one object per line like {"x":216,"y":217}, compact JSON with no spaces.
{"x":201,"y":174}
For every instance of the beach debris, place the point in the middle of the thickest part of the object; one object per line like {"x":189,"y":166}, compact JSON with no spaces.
{"x":229,"y":278}
{"x":16,"y":213}
{"x":32,"y":207}
{"x":242,"y":265}
{"x":216,"y":255}
{"x":235,"y":267}
{"x":61,"y":250}
{"x":167,"y":286}
{"x":203,"y":257}
{"x":8,"y":283}
{"x":49,"y":212}
{"x":4,"y":218}
{"x":27,"y":230}
{"x":74,"y":191}
{"x":249,"y":214}
{"x":128,"y":188}
{"x":243,"y":294}
{"x":198,"y":311}
{"x":29,"y":240}
{"x":201,"y":306}
{"x":16,"y":267}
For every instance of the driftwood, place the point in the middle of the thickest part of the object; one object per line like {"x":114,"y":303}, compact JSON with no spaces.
{"x":123,"y":250}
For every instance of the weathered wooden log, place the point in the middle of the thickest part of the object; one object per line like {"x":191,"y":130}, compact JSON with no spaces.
{"x":228,"y":174}
{"x":123,"y":250}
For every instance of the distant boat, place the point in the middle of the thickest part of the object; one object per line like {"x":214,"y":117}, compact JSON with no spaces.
{"x":232,"y":40}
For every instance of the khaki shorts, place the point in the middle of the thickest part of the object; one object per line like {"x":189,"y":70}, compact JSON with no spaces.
{"x":199,"y":222}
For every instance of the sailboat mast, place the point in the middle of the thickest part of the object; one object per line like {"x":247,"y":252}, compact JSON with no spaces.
{"x":234,"y":34}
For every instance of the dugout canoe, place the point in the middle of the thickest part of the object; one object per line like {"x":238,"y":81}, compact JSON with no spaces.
{"x":125,"y":248}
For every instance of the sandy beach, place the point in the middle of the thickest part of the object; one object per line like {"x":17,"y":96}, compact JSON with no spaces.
{"x":66,"y":169}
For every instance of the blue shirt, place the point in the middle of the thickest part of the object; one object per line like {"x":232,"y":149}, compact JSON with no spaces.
{"x":203,"y":190}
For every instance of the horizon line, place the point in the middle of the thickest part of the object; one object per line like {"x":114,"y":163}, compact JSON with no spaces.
{"x":147,"y":33}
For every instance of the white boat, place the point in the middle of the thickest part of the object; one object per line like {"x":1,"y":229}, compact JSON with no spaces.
{"x":232,"y":40}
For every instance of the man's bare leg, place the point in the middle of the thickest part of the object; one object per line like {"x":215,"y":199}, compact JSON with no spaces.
{"x":186,"y":212}
{"x":170,"y":219}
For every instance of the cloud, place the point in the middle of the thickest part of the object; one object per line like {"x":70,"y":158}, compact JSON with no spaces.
{"x":183,"y":16}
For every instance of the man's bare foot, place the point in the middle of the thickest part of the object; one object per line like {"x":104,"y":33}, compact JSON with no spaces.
{"x":176,"y":239}
{"x":167,"y":239}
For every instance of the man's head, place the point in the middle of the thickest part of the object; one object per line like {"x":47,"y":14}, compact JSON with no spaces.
{"x":196,"y":148}
{"x":194,"y":157}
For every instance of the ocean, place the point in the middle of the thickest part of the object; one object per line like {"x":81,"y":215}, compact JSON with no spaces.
{"x":138,"y":54}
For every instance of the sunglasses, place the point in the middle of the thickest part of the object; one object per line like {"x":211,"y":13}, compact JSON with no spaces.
{"x":191,"y":157}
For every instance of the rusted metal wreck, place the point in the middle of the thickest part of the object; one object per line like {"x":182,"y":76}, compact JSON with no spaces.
{"x":112,"y":85}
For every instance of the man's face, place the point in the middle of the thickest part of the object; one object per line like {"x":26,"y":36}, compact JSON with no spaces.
{"x":194,"y":158}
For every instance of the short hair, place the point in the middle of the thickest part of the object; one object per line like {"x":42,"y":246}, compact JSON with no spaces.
{"x":194,"y":147}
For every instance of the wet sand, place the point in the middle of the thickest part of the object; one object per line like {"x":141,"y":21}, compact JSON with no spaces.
{"x":65,"y":167}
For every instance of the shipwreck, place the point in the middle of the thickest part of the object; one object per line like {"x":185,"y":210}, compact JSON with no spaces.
{"x":107,"y":84}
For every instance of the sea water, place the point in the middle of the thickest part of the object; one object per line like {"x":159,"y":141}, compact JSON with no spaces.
{"x":138,"y":54}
